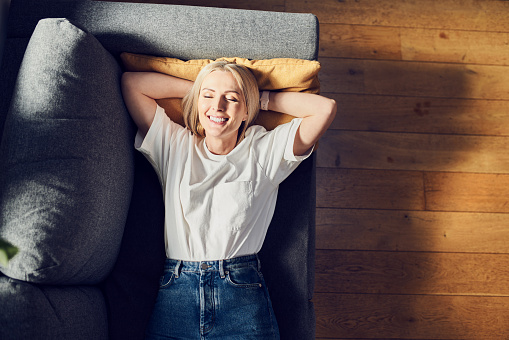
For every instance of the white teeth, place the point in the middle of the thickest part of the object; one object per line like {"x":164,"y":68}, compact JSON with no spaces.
{"x":217,"y":119}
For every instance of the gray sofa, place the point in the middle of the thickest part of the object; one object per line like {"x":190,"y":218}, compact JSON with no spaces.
{"x":86,"y":210}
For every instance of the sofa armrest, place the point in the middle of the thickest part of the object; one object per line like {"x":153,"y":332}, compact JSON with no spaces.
{"x":184,"y":32}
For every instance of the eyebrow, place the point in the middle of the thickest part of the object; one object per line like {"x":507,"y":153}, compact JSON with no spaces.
{"x":212,"y":90}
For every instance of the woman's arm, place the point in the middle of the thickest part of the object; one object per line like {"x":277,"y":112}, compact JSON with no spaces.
{"x":317,"y":112}
{"x":141,"y":89}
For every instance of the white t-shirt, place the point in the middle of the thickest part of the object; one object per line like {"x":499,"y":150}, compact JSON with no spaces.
{"x":218,"y":206}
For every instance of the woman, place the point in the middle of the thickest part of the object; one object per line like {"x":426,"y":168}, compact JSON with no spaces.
{"x":220,"y":178}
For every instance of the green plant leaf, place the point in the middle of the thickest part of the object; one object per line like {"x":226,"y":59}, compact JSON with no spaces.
{"x":7,"y":252}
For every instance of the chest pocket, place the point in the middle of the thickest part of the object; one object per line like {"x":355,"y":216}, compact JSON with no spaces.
{"x":231,"y":205}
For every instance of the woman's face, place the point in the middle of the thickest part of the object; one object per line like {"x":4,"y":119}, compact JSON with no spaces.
{"x":221,"y":106}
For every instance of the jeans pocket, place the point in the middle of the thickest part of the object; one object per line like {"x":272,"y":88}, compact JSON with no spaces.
{"x":247,"y":277}
{"x":166,"y":279}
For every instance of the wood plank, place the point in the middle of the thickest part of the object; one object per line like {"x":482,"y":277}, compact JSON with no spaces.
{"x":487,"y":48}
{"x":411,"y":316}
{"x":445,"y":14}
{"x":410,"y":44}
{"x":421,"y":115}
{"x":427,"y":231}
{"x":363,"y":42}
{"x":467,"y":192}
{"x":441,"y":80}
{"x":411,"y":273}
{"x":370,"y":189}
{"x":403,"y":151}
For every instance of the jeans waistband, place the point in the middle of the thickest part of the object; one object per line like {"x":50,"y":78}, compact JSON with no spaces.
{"x":219,"y":265}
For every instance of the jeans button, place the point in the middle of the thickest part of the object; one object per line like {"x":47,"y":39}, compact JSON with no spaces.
{"x":204,"y":266}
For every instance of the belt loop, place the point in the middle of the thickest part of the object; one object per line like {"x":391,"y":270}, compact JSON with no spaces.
{"x":177,"y":268}
{"x":259,"y":263}
{"x":221,"y":269}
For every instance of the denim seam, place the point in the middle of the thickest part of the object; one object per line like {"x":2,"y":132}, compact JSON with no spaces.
{"x":203,"y":330}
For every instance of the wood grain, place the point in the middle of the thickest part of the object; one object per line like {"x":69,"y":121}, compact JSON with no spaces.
{"x":344,"y":188}
{"x":411,"y":273}
{"x":377,"y":316}
{"x":467,"y":192}
{"x":424,"y":231}
{"x":369,"y":42}
{"x":441,"y":80}
{"x":421,"y":114}
{"x":414,"y":44}
{"x":402,"y":151}
{"x":444,"y":14}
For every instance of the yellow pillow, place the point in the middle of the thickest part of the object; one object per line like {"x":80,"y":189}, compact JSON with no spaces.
{"x":281,"y":74}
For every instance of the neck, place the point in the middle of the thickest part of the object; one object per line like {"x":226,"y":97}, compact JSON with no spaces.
{"x":219,"y":146}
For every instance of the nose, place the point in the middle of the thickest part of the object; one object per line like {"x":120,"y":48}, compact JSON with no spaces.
{"x":219,"y":103}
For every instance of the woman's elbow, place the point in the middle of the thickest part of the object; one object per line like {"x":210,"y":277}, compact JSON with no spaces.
{"x":333,"y":107}
{"x":329,"y":110}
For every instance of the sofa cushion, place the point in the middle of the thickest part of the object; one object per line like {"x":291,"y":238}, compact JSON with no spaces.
{"x":66,"y":159}
{"x":13,"y":55}
{"x":32,"y":311}
{"x":285,"y":74}
{"x":282,"y":74}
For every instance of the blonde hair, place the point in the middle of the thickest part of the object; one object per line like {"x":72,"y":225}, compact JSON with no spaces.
{"x":248,"y":86}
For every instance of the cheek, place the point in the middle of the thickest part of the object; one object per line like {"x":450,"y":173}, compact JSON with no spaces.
{"x":202,"y":107}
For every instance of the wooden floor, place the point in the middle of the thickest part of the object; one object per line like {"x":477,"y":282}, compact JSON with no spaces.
{"x":413,"y":176}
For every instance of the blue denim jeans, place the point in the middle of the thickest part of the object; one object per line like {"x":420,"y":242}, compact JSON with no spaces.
{"x":225,"y":299}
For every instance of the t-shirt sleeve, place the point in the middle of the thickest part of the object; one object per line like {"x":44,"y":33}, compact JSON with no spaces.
{"x":159,"y":141}
{"x":275,"y":151}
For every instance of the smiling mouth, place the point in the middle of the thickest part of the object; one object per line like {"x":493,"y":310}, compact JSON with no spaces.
{"x":218,"y":120}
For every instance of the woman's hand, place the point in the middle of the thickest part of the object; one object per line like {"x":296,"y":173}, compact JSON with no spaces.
{"x":141,"y":89}
{"x":317,"y":112}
